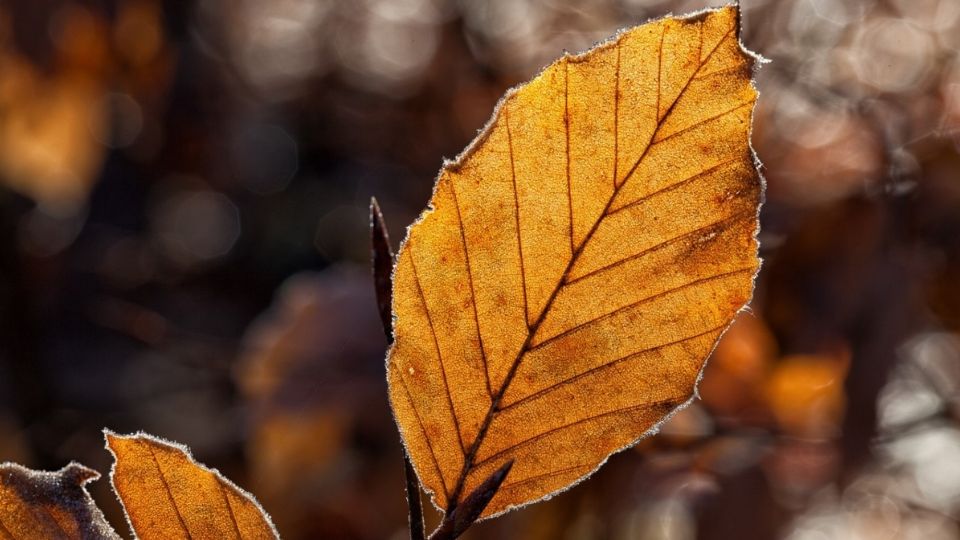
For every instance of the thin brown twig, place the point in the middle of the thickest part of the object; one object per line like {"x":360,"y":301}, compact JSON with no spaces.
{"x":381,"y":258}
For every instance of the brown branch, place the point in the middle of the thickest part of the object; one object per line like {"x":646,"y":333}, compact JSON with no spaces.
{"x":381,"y":258}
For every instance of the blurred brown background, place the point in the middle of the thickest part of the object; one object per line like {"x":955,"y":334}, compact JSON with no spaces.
{"x":184,"y":192}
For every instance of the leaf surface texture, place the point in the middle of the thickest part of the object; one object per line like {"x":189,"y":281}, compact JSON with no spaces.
{"x":578,"y":262}
{"x":50,"y":505}
{"x":168,"y":495}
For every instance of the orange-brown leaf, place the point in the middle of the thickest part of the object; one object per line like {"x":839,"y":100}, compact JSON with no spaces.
{"x":168,"y":495}
{"x":52,"y":505}
{"x":578,"y":262}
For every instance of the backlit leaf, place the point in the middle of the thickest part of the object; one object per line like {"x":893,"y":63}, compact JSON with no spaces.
{"x":51,"y":505}
{"x":578,"y":262}
{"x":168,"y":495}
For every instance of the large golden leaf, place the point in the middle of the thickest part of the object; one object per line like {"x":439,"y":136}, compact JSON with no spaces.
{"x":51,"y":505}
{"x":168,"y":495}
{"x":578,"y":262}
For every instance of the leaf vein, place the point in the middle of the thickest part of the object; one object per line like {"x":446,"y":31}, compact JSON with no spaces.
{"x":233,"y":516}
{"x":589,"y":419}
{"x":534,"y":478}
{"x":5,"y":530}
{"x":616,"y":118}
{"x":566,"y":129}
{"x":663,"y":34}
{"x":608,"y":365}
{"x":728,"y":69}
{"x":436,"y":344}
{"x":56,"y":521}
{"x":170,"y":497}
{"x":516,"y":216}
{"x":423,"y":429}
{"x":670,"y":110}
{"x":716,"y":224}
{"x":637,"y":303}
{"x":673,"y":186}
{"x":699,"y":123}
{"x":473,"y":291}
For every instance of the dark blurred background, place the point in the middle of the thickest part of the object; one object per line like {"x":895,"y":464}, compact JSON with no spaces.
{"x":183,"y":211}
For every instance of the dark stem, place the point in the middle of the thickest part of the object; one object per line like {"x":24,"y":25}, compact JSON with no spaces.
{"x":417,"y":531}
{"x":381,"y":258}
{"x":466,"y":513}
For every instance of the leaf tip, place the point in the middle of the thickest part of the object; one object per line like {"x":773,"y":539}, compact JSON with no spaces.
{"x":475,"y":503}
{"x":78,"y":474}
{"x":501,"y":474}
{"x":108,"y":435}
{"x":112,"y":439}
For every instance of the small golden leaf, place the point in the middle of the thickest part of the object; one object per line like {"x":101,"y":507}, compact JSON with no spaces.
{"x":578,"y":262}
{"x":53,"y":505}
{"x":168,"y":495}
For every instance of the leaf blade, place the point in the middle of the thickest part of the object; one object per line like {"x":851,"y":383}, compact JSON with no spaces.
{"x":166,"y":494}
{"x":589,"y":234}
{"x":35,"y":504}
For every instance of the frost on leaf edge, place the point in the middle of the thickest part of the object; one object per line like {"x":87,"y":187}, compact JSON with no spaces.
{"x":108,"y":434}
{"x":452,"y":165}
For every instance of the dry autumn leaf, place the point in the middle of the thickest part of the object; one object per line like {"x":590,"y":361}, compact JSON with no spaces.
{"x":39,"y":505}
{"x":578,"y":262}
{"x":167,"y":494}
